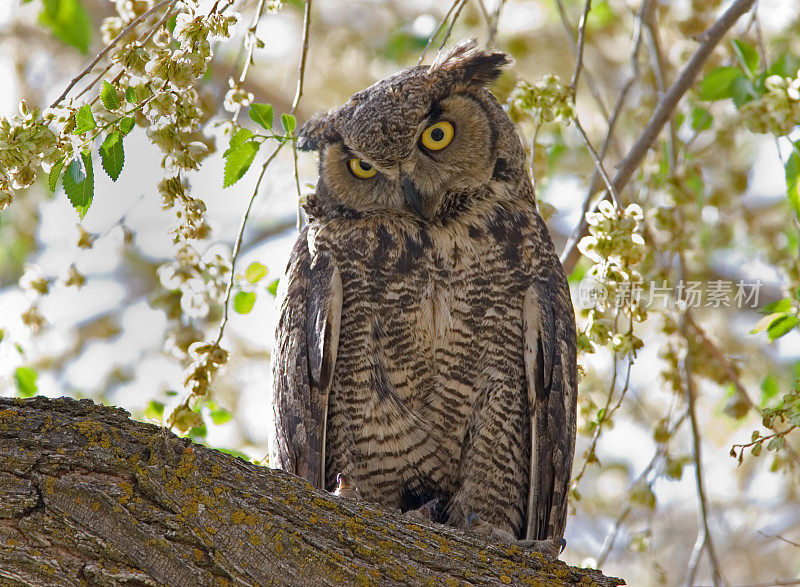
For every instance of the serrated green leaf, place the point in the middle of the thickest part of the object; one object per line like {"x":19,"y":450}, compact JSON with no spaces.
{"x":746,"y":54}
{"x":155,"y":410}
{"x":55,"y":173}
{"x":288,"y":122}
{"x":239,"y":137}
{"x":84,"y":120}
{"x":79,"y":183}
{"x":25,"y":380}
{"x":717,"y":84}
{"x":220,"y":416}
{"x":108,"y":96}
{"x":782,"y":326}
{"x":112,"y":155}
{"x":261,"y":114}
{"x":701,"y":119}
{"x":272,"y":288}
{"x":126,"y":124}
{"x":255,"y":272}
{"x":69,"y":22}
{"x":238,"y":161}
{"x":130,"y":95}
{"x":781,"y":306}
{"x":792,"y":169}
{"x":243,"y":302}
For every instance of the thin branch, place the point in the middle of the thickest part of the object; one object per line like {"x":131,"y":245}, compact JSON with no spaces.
{"x":108,"y":48}
{"x":597,"y":161}
{"x":495,"y":22}
{"x":438,"y":28}
{"x":452,"y":22}
{"x":571,"y":36}
{"x":252,"y":42}
{"x":240,"y":235}
{"x":705,"y":539}
{"x":576,"y":74}
{"x":779,"y":537}
{"x":668,"y":102}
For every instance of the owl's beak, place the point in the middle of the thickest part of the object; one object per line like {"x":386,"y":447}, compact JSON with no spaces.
{"x":413,"y":197}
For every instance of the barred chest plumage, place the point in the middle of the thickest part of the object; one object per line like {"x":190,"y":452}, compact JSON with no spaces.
{"x":429,"y":347}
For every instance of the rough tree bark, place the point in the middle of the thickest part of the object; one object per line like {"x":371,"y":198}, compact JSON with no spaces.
{"x":89,"y":496}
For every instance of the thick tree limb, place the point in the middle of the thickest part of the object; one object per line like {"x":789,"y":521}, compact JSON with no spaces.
{"x":88,"y":495}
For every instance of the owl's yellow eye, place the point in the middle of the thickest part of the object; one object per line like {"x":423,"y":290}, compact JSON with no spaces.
{"x":361,"y":169}
{"x":437,"y":136}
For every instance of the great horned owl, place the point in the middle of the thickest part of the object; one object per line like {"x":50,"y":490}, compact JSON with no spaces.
{"x":426,"y":342}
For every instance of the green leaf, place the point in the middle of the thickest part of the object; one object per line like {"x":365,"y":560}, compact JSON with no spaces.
{"x":130,"y":95}
{"x":769,"y":389}
{"x":55,"y":173}
{"x":779,"y":306}
{"x":792,"y":169}
{"x":243,"y":302}
{"x":746,"y":54}
{"x":717,"y":84}
{"x":108,"y":96}
{"x":782,"y":325}
{"x":126,"y":124}
{"x":255,"y":271}
{"x":742,"y":91}
{"x":84,"y":120}
{"x":155,"y":410}
{"x":288,"y":122}
{"x":238,"y":161}
{"x":69,"y":22}
{"x":112,"y":155}
{"x":764,"y":323}
{"x":701,"y":119}
{"x":261,"y":114}
{"x":239,"y":137}
{"x":220,"y":416}
{"x":272,"y":288}
{"x":79,"y":183}
{"x":25,"y":379}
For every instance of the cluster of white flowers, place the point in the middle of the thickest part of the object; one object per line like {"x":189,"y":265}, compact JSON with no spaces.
{"x":546,"y":100}
{"x":616,"y":248}
{"x":778,"y":110}
{"x":202,"y":281}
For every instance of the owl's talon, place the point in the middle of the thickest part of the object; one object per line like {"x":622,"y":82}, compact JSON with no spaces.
{"x":426,"y":511}
{"x":552,"y":547}
{"x":346,"y":487}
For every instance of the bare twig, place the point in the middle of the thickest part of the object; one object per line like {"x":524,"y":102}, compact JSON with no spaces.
{"x":435,"y":33}
{"x":252,"y":41}
{"x":704,"y":539}
{"x":571,"y":36}
{"x":779,"y":537}
{"x":494,"y":23}
{"x":576,"y":74}
{"x":597,"y":161}
{"x":108,"y":48}
{"x":452,"y":22}
{"x":668,"y":102}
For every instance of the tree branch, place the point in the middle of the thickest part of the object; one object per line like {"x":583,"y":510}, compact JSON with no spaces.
{"x":88,"y":495}
{"x":668,"y":102}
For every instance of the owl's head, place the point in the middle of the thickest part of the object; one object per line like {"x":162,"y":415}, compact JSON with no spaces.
{"x":417,"y":140}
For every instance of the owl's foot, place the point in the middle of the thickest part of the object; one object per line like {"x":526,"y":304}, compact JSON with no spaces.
{"x":426,"y":511}
{"x":346,"y":487}
{"x":551,"y":548}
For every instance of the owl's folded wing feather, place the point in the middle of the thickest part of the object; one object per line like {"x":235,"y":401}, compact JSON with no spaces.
{"x":550,"y":370}
{"x":304,"y":356}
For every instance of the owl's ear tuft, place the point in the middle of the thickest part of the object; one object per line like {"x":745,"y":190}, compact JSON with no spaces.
{"x":466,"y":64}
{"x":313,"y":132}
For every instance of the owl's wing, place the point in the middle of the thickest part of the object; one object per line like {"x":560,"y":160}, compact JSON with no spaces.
{"x":550,"y":369}
{"x":304,"y":356}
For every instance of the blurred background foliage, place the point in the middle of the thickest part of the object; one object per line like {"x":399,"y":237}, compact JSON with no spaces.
{"x":112,"y":285}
